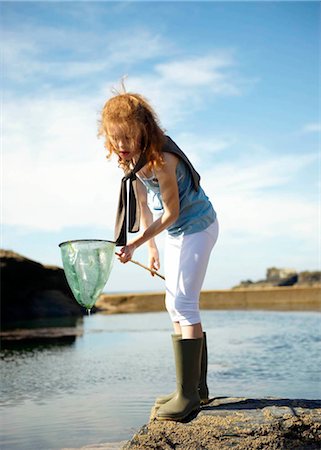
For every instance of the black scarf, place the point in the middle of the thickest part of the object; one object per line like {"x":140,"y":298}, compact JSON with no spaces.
{"x":133,"y":209}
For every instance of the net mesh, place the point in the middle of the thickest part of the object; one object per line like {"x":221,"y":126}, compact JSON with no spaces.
{"x":87,"y":266}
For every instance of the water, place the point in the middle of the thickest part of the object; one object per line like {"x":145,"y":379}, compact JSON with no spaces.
{"x":101,"y":387}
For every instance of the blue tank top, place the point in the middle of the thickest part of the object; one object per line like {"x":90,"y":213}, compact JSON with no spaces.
{"x":196,"y":212}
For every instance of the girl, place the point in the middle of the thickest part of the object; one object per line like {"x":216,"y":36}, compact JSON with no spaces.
{"x":152,"y":162}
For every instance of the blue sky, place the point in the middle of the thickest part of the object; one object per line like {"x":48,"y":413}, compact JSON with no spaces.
{"x":234,"y":83}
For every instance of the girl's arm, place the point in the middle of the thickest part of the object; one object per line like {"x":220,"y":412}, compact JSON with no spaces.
{"x":166,"y":176}
{"x":146,"y":219}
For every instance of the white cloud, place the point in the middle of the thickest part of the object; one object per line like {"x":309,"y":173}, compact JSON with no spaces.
{"x":201,"y":149}
{"x":30,"y":51}
{"x":204,"y":71}
{"x":243,"y":175}
{"x":48,"y":56}
{"x":55,"y":176}
{"x":179,"y":87}
{"x":58,"y":53}
{"x":247,"y":205}
{"x":312,"y":128}
{"x":55,"y":171}
{"x":134,"y":46}
{"x":174,"y":92}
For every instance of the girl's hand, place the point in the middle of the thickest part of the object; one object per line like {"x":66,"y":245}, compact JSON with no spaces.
{"x":126,"y":253}
{"x":153,"y":257}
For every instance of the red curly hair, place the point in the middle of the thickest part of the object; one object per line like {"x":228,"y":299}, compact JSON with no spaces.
{"x":132,"y":116}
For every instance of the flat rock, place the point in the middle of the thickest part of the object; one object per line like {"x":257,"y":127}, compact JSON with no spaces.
{"x":238,"y":423}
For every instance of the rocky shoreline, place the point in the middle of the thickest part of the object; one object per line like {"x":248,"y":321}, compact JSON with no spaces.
{"x":32,"y":291}
{"x":274,"y":298}
{"x":238,"y":423}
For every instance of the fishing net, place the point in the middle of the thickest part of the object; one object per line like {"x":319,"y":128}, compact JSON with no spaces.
{"x":87,"y":265}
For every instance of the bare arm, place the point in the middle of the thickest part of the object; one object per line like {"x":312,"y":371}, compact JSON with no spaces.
{"x":146,"y":220}
{"x":146,"y":216}
{"x":169,"y":190}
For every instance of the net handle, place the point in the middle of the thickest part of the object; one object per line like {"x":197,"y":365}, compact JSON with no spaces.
{"x":154,"y":272}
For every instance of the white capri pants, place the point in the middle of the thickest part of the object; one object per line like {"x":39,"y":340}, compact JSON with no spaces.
{"x":185,"y":260}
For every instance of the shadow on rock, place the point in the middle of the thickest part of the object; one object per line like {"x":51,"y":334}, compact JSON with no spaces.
{"x":228,"y":403}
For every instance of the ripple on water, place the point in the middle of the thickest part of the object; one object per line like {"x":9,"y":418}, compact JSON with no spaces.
{"x":101,"y":387}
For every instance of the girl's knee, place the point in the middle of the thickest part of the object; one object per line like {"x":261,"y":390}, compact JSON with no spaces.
{"x":170,"y":307}
{"x":187,"y":310}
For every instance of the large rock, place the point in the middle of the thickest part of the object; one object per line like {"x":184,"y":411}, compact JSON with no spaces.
{"x":238,"y":423}
{"x":232,"y":423}
{"x":310,"y":278}
{"x":31,"y":290}
{"x":275,"y":275}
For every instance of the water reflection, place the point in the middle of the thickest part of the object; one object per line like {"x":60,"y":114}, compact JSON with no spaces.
{"x":44,"y":323}
{"x":36,"y":343}
{"x":37,"y":333}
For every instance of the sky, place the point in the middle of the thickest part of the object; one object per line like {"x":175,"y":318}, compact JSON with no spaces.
{"x":235,"y":84}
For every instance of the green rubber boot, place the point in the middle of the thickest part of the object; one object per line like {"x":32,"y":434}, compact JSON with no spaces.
{"x":166,"y":398}
{"x":203,"y":389}
{"x":188,"y":370}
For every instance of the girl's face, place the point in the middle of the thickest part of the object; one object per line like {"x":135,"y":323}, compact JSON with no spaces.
{"x":127,"y":147}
